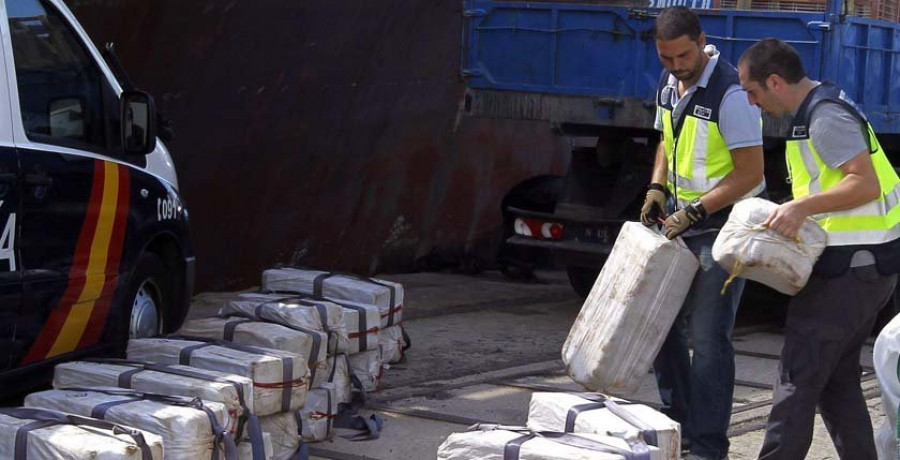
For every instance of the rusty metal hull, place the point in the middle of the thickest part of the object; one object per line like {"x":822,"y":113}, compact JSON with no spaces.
{"x":327,"y":133}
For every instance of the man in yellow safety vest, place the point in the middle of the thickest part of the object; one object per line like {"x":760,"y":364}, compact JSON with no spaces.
{"x":841,"y":178}
{"x":710,"y":156}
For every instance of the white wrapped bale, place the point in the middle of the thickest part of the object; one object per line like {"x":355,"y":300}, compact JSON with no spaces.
{"x":362,"y":325}
{"x":595,"y":413}
{"x":234,"y":391}
{"x":52,"y":435}
{"x":318,"y":315}
{"x":391,"y":343}
{"x":629,"y":311}
{"x":886,"y":357}
{"x":367,"y":367}
{"x":313,"y":423}
{"x":387,"y":295}
{"x":490,"y":442}
{"x":280,"y":379}
{"x":747,"y":249}
{"x":339,"y":376}
{"x":190,"y":429}
{"x":303,"y":342}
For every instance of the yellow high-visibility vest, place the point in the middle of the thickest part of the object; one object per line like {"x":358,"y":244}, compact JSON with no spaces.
{"x":873,"y":223}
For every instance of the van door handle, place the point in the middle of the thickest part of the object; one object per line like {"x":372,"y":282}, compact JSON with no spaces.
{"x":41,"y":180}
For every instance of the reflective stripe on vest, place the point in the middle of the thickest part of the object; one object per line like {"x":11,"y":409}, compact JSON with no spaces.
{"x":875,"y":222}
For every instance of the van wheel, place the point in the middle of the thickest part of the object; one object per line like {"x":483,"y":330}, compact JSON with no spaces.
{"x":582,"y":279}
{"x":148,"y":298}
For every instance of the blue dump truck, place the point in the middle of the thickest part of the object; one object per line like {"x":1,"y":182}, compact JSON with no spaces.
{"x":590,"y":69}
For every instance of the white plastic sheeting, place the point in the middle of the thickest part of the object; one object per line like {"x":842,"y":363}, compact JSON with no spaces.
{"x":362,"y":324}
{"x":187,"y":433}
{"x":387,"y":295}
{"x":91,"y":374}
{"x":887,"y":351}
{"x":576,"y":413}
{"x":280,"y":379}
{"x":311,"y":345}
{"x":318,"y":315}
{"x":629,"y":311}
{"x":367,"y":367}
{"x":73,"y":442}
{"x":491,"y":444}
{"x":747,"y":249}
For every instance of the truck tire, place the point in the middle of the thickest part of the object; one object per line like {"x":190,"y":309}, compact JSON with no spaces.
{"x":582,"y":279}
{"x":148,"y":298}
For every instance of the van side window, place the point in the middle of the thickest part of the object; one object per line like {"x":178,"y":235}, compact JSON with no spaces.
{"x":60,"y":86}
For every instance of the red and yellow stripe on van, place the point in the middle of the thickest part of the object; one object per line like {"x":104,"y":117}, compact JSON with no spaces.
{"x":78,"y":319}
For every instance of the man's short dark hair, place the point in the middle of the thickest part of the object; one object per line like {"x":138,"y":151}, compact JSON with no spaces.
{"x":677,"y":21}
{"x":772,"y":57}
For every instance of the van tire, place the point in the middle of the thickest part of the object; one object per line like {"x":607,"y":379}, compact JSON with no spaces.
{"x":148,"y":299}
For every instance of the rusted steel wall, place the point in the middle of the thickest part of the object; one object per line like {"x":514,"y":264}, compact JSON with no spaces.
{"x":322,"y":132}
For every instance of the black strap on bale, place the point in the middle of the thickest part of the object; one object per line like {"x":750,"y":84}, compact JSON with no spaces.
{"x":636,"y":450}
{"x":615,"y":407}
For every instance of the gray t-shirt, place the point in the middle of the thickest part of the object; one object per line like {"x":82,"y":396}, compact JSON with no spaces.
{"x":838,"y":137}
{"x":836,"y":134}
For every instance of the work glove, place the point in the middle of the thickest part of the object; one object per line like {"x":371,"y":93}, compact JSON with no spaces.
{"x":654,"y":205}
{"x":682,"y":219}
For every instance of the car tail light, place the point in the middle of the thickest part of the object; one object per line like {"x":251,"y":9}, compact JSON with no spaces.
{"x":537,"y":228}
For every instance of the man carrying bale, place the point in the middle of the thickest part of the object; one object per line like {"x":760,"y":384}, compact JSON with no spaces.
{"x":840,"y":177}
{"x":710,"y":156}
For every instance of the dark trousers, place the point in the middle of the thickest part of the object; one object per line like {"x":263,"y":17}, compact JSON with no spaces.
{"x":697,"y":391}
{"x":827,"y":324}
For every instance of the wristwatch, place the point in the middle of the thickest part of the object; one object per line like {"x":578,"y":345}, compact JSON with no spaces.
{"x":696,"y":211}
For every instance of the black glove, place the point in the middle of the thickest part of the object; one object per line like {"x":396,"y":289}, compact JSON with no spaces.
{"x":654,"y":205}
{"x":682,"y":219}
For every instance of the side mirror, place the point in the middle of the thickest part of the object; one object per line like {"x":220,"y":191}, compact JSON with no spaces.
{"x":66,"y":117}
{"x":138,"y":123}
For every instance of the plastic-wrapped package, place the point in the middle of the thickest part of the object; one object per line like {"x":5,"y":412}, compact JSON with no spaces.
{"x":308,"y":343}
{"x":367,"y":367}
{"x":391,"y":343}
{"x":64,"y":435}
{"x":596,"y":413}
{"x":190,"y":429}
{"x":629,"y":311}
{"x":746,"y":249}
{"x":234,"y":391}
{"x":887,"y":352}
{"x":313,"y":423}
{"x":387,"y":295}
{"x":280,"y":379}
{"x":292,"y":310}
{"x":362,"y":324}
{"x":339,"y":376}
{"x":493,"y":442}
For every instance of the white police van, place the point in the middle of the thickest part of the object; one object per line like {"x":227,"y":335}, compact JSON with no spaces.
{"x":94,"y":242}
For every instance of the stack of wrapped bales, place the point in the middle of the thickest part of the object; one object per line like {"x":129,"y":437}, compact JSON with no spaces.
{"x":271,"y":371}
